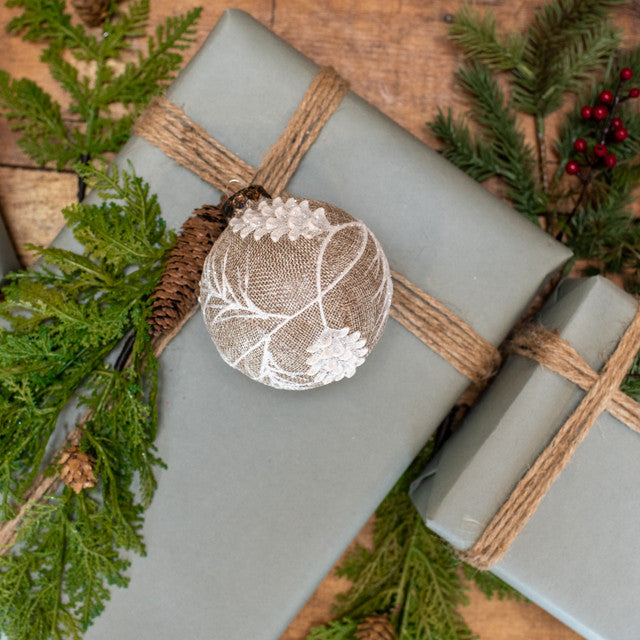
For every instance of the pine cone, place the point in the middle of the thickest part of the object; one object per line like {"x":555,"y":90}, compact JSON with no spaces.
{"x":177,"y":291}
{"x":77,"y":469}
{"x":91,"y":12}
{"x":376,"y":627}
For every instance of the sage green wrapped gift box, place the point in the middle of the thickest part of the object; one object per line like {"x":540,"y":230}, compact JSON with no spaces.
{"x":265,"y":488}
{"x":578,"y":556}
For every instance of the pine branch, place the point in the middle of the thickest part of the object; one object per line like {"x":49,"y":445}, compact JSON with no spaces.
{"x":566,"y":42}
{"x":491,"y":585}
{"x":343,"y":629}
{"x":475,"y":158}
{"x":496,"y":119}
{"x":476,"y":36}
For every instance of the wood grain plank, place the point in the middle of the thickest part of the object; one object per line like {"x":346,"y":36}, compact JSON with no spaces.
{"x":31,"y":202}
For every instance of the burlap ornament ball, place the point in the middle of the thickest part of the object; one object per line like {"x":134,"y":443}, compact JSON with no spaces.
{"x":295,"y":293}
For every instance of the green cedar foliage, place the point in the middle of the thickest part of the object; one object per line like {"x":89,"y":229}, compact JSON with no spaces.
{"x":411,"y":573}
{"x":104,"y":102}
{"x":64,"y":318}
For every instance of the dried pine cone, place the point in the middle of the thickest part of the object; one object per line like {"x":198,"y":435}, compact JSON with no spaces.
{"x":376,"y":627}
{"x":91,"y":12}
{"x":77,"y":469}
{"x":177,"y":291}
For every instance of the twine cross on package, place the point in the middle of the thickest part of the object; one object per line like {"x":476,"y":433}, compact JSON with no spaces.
{"x":175,"y":300}
{"x":167,"y":127}
{"x":603,"y":394}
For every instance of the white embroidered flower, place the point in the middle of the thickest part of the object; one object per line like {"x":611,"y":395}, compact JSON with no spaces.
{"x":335,"y":355}
{"x":278,"y":218}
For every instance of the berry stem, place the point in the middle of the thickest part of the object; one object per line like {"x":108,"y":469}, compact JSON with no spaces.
{"x":585,"y":185}
{"x":607,"y":122}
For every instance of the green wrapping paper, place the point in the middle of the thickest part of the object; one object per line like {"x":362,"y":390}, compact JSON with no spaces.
{"x":265,"y":488}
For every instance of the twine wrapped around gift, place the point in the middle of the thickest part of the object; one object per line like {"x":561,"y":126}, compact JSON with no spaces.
{"x":603,"y":394}
{"x":170,"y":129}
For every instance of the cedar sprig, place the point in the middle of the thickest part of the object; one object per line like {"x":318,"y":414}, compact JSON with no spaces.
{"x":65,"y":318}
{"x":411,"y":574}
{"x":104,"y":102}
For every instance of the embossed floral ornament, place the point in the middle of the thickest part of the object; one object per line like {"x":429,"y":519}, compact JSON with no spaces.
{"x":295,"y":293}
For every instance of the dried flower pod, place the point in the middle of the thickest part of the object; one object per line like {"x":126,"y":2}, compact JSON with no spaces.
{"x":77,"y":469}
{"x":376,"y":627}
{"x":295,"y":293}
{"x":91,"y":12}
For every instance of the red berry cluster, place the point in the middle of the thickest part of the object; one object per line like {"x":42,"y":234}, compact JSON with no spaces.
{"x":611,"y":130}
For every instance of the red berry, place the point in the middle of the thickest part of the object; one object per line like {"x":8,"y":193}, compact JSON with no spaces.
{"x":600,"y":112}
{"x":626,"y":73}
{"x":585,"y":112}
{"x":606,"y":96}
{"x":621,"y":134}
{"x":600,"y":150}
{"x":580,"y":145}
{"x":610,"y":160}
{"x":634,"y":93}
{"x":572,"y":167}
{"x":616,"y":123}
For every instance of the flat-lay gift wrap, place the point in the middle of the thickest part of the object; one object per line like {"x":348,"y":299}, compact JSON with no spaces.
{"x":265,"y":488}
{"x":577,"y":554}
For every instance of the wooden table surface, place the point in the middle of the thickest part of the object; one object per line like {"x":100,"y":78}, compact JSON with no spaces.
{"x":396,"y":54}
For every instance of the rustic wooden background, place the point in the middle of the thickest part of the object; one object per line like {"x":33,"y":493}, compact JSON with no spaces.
{"x":396,"y":54}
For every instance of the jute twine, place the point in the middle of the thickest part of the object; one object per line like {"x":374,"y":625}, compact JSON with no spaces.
{"x":170,"y":129}
{"x":602,"y":394}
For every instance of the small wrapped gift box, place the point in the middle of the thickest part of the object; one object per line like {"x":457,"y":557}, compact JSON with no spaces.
{"x":577,"y":556}
{"x":264,"y":488}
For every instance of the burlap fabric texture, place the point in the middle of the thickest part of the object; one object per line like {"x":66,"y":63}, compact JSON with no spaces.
{"x":295,"y":293}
